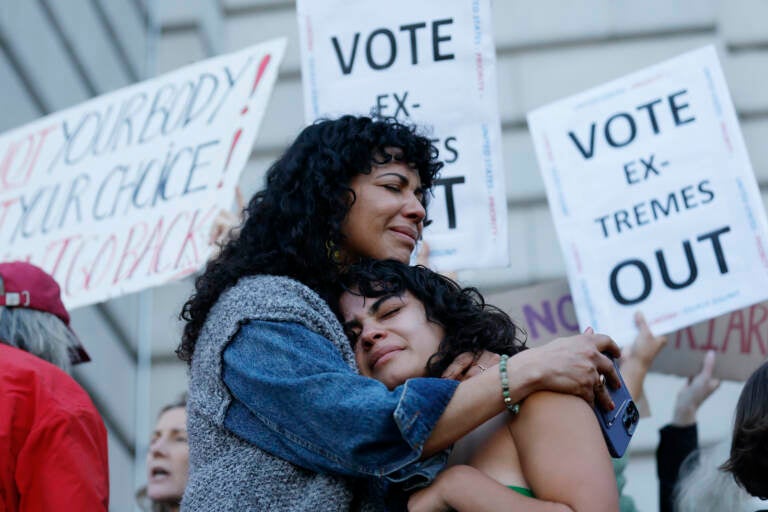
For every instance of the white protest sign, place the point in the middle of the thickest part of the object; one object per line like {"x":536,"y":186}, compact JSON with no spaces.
{"x":740,"y":338}
{"x":118,"y":193}
{"x":431,"y":63}
{"x":654,"y":199}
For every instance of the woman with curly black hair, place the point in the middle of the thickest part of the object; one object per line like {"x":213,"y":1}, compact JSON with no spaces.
{"x":409,"y":322}
{"x":278,"y":416}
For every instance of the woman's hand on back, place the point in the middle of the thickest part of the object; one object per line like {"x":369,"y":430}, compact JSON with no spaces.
{"x":572,"y":365}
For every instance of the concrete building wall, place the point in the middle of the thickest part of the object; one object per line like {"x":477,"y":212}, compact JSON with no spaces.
{"x":54,"y":54}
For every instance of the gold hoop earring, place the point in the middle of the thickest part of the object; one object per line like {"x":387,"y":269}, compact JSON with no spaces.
{"x":333,"y":252}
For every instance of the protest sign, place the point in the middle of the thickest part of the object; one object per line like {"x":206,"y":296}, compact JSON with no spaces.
{"x":740,"y":338}
{"x":429,"y":63}
{"x":654,"y":199}
{"x":118,"y":193}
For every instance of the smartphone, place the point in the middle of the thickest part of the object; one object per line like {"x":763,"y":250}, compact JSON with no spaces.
{"x":619,"y":424}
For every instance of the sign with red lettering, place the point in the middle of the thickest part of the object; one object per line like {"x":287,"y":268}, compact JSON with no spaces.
{"x":118,"y":193}
{"x":431,"y":63}
{"x":654,"y":199}
{"x":740,"y":338}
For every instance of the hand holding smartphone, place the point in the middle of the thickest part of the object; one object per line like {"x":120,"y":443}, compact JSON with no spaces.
{"x":619,"y":424}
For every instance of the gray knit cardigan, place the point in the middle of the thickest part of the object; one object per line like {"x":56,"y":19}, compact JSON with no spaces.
{"x":226,"y":472}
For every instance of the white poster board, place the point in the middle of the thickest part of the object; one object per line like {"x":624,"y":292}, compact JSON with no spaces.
{"x":654,"y":199}
{"x":739,"y":338}
{"x":117,"y":194}
{"x":431,"y":63}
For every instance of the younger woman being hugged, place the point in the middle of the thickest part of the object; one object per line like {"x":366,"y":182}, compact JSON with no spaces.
{"x":408,"y":322}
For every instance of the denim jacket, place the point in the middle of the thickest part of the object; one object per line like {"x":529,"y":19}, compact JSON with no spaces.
{"x":304,"y":404}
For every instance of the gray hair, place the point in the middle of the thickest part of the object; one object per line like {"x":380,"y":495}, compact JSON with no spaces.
{"x":703,"y":486}
{"x":39,"y":333}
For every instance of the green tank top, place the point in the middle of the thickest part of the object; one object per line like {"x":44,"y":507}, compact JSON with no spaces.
{"x":522,"y":490}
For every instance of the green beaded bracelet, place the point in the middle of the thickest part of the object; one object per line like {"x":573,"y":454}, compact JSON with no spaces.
{"x":511,"y":407}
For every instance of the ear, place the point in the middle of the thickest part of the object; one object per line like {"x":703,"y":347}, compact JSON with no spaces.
{"x":350,"y":197}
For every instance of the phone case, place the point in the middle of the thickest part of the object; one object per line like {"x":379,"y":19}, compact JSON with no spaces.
{"x":619,"y":424}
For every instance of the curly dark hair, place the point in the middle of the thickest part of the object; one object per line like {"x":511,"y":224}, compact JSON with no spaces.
{"x":290,"y":225}
{"x":749,"y":447}
{"x":470,"y":324}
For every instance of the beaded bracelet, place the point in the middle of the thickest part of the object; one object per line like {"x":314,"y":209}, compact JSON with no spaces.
{"x":511,"y":407}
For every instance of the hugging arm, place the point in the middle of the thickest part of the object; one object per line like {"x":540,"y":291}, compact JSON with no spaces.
{"x":295,"y":397}
{"x":292,"y":396}
{"x":567,"y":365}
{"x":466,"y":489}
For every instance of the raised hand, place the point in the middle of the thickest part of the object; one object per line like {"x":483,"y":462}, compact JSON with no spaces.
{"x":695,"y":392}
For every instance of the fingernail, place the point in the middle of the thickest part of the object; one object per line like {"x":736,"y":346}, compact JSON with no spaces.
{"x":613,"y":406}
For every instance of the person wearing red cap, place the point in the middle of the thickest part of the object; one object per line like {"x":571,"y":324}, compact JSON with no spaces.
{"x":52,"y":439}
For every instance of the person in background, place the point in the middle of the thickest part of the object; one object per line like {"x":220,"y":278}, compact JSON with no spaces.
{"x":702,"y":485}
{"x":167,"y":460}
{"x":689,"y":478}
{"x":748,"y":461}
{"x":52,"y":440}
{"x":680,"y":439}
{"x":705,"y":483}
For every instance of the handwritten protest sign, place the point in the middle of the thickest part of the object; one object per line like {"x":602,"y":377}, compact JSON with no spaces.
{"x":654,"y":199}
{"x":740,"y":338}
{"x":117,"y":194}
{"x":431,"y":63}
